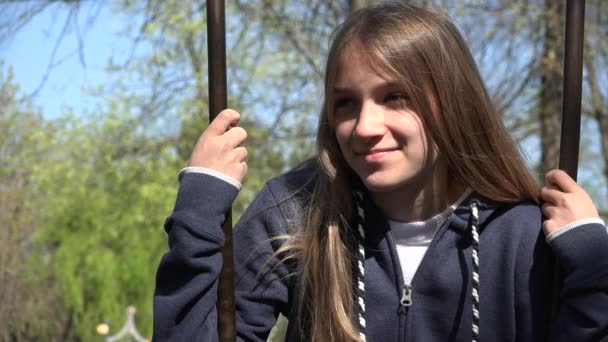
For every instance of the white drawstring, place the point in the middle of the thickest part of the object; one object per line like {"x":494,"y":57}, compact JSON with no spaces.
{"x":360,"y":274}
{"x":475,"y":253}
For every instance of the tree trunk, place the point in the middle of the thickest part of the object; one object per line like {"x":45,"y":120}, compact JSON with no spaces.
{"x":597,"y":107}
{"x":551,"y":84}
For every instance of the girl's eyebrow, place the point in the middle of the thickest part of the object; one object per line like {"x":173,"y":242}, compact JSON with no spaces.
{"x":382,"y":86}
{"x":391,"y":85}
{"x":339,"y":89}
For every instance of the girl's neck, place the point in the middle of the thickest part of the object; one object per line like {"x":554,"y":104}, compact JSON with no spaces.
{"x":421,"y":199}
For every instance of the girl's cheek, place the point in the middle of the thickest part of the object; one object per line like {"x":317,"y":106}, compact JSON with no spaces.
{"x":344,"y":129}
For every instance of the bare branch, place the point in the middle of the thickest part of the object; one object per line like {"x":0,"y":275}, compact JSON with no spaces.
{"x":52,"y":62}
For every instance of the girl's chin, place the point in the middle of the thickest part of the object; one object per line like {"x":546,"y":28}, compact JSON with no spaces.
{"x":380,"y":188}
{"x":386,"y":182}
{"x":383,"y":185}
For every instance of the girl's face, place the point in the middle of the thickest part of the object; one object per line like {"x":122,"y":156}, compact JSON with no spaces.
{"x":381,"y":137}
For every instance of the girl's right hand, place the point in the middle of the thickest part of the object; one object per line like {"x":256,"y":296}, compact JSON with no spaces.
{"x":219,"y":147}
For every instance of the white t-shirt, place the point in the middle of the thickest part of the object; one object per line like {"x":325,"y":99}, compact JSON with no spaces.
{"x":413,"y":238}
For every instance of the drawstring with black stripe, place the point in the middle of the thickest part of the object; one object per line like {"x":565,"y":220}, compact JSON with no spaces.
{"x":473,"y":222}
{"x":359,"y":273}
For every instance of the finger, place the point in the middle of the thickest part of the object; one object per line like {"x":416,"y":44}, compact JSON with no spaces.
{"x":240,"y":154}
{"x":549,"y":226}
{"x":552,"y":186}
{"x":562,"y":180}
{"x":235,"y":137}
{"x":222,"y":122}
{"x":548,"y":209}
{"x":240,"y":171}
{"x":551,"y":195}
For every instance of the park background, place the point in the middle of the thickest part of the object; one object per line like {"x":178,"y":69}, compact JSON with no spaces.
{"x":102,"y":101}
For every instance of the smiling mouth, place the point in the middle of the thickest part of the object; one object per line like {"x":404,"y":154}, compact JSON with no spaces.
{"x":374,"y":155}
{"x":374,"y":151}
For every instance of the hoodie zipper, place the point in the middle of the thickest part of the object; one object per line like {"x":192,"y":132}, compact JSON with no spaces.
{"x":406,"y":289}
{"x":406,"y":295}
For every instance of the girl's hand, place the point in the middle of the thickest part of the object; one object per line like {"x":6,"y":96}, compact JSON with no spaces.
{"x":564,"y":201}
{"x":219,"y":147}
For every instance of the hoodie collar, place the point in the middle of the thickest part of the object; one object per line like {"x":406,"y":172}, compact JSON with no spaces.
{"x":461,"y":216}
{"x":458,"y":220}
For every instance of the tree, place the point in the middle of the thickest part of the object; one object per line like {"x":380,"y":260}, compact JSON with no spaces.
{"x":27,"y":290}
{"x":103,"y":231}
{"x":551,"y":75}
{"x":595,"y":64}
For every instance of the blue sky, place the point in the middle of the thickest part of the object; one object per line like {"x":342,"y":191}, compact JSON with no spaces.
{"x":29,"y":53}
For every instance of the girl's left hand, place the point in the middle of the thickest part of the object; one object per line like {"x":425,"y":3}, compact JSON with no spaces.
{"x":564,"y":201}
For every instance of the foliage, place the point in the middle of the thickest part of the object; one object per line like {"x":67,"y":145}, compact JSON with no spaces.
{"x":24,"y":146}
{"x":103,"y":227}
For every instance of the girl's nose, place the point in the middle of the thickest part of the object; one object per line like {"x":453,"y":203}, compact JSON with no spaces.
{"x":370,"y":122}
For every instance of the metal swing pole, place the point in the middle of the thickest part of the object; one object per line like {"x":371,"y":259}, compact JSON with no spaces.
{"x":216,"y":47}
{"x":573,"y":78}
{"x":571,"y":114}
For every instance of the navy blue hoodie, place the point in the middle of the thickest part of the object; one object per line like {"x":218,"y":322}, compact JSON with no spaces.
{"x":516,"y":266}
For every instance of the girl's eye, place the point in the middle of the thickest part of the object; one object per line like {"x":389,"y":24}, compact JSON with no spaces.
{"x":343,"y":107}
{"x":396,"y":98}
{"x":342,"y":103}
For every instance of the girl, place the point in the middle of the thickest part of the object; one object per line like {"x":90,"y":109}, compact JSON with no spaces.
{"x":417,"y":221}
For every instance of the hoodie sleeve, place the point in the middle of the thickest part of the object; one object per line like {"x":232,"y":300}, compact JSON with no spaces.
{"x":582,"y":254}
{"x":187,"y":278}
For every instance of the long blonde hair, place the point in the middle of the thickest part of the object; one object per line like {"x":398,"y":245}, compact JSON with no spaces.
{"x":425,"y":52}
